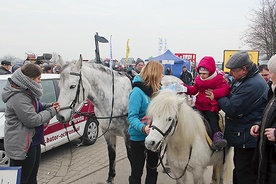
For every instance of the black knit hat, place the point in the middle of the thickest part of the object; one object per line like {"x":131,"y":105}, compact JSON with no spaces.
{"x":5,"y":62}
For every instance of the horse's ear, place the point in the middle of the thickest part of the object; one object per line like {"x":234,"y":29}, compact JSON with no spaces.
{"x":79,"y":63}
{"x":60,"y":60}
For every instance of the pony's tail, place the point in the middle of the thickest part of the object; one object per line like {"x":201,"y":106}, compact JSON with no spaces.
{"x":228,"y":165}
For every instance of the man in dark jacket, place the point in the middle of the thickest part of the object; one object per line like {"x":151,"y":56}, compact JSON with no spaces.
{"x":186,"y":76}
{"x":5,"y":67}
{"x":243,"y":108}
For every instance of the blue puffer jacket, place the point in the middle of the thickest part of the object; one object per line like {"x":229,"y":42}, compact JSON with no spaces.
{"x":243,"y":108}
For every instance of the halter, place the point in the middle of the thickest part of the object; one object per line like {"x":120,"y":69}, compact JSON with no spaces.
{"x":172,"y":125}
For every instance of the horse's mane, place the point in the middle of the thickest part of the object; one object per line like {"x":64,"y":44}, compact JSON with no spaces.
{"x":95,"y":66}
{"x":167,"y":104}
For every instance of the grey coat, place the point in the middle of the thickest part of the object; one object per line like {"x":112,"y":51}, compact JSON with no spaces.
{"x":21,"y":119}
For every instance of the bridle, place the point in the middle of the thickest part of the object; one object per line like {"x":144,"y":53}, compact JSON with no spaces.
{"x":172,"y":126}
{"x":73,"y":103}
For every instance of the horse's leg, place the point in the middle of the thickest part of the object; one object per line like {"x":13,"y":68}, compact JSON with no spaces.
{"x":198,"y":175}
{"x":127,"y":144}
{"x":111,"y":146}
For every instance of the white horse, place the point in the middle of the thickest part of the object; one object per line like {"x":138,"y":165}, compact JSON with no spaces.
{"x":108,"y":90}
{"x":183,"y":130}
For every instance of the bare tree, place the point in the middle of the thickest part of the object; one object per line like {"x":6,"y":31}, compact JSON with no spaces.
{"x":261,"y":34}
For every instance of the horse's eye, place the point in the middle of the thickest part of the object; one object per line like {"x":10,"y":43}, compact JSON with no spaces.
{"x":169,"y":119}
{"x":72,"y":87}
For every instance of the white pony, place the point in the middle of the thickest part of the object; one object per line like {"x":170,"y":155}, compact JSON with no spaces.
{"x":108,"y":90}
{"x":183,"y":130}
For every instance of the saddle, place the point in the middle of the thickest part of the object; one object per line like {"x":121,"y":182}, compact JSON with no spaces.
{"x":209,"y":135}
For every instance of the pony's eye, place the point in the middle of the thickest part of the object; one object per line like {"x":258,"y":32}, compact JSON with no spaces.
{"x":72,"y":87}
{"x":169,"y":119}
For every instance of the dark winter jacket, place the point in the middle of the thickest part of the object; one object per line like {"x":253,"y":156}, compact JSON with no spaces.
{"x":4,"y":71}
{"x":186,"y":77}
{"x":243,"y":108}
{"x":266,"y":150}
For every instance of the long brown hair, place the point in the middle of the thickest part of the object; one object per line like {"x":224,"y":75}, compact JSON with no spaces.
{"x":151,"y":74}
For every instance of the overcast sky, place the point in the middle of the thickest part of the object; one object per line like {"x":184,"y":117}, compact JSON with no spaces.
{"x":67,"y":27}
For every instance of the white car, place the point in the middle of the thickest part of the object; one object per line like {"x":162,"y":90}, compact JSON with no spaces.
{"x":55,"y":133}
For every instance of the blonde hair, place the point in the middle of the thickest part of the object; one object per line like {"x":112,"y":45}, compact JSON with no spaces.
{"x":151,"y":74}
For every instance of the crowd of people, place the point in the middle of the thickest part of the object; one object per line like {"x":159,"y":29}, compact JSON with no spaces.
{"x":246,"y":94}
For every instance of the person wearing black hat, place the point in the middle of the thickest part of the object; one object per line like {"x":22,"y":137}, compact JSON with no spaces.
{"x":47,"y":69}
{"x":243,"y":108}
{"x":5,"y":67}
{"x":186,"y":76}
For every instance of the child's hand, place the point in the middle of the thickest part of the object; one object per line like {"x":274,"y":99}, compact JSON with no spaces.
{"x":209,"y":94}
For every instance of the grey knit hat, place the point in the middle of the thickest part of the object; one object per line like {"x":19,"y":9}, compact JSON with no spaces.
{"x":272,"y":64}
{"x":139,"y":61}
{"x":238,"y":60}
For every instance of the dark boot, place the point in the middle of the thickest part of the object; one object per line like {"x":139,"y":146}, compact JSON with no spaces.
{"x":132,"y":181}
{"x":151,"y":179}
{"x":218,"y":142}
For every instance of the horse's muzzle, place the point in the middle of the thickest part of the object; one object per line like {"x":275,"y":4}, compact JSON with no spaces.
{"x":152,"y":145}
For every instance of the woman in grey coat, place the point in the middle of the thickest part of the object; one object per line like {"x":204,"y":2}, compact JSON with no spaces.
{"x":25,"y":117}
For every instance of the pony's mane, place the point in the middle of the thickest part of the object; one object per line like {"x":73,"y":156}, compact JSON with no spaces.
{"x":164,"y":103}
{"x":167,"y":104}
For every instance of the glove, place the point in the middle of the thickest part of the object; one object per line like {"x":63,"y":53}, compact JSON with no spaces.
{"x":177,"y":88}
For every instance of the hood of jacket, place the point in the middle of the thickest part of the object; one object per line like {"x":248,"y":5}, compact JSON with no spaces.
{"x":207,"y":62}
{"x":9,"y":91}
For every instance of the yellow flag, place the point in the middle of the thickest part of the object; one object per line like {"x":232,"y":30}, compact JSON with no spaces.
{"x":127,"y":51}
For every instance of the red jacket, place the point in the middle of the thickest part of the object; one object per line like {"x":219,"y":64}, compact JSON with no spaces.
{"x":218,"y":84}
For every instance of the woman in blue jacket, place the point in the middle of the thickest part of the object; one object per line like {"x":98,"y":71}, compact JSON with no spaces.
{"x":144,"y":86}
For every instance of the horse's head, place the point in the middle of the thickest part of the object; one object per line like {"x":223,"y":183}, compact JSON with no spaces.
{"x":163,"y":111}
{"x":72,"y":91}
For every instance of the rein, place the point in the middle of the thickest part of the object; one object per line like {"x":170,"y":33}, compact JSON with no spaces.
{"x":185,"y":169}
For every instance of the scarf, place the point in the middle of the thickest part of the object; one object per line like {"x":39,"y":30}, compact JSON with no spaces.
{"x":146,"y":89}
{"x":27,"y":83}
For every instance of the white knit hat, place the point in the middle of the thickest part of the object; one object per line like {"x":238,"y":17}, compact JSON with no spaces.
{"x":272,"y":64}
